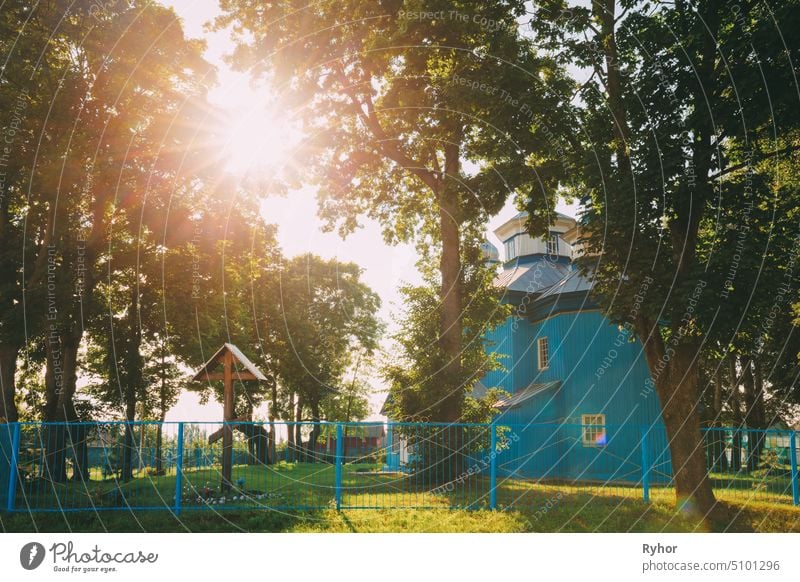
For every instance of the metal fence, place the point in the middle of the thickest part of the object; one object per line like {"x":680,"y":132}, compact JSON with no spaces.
{"x":313,"y":466}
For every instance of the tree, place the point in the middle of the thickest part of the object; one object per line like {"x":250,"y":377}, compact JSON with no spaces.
{"x":163,"y":384}
{"x":326,"y":315}
{"x":235,"y":261}
{"x":30,"y":111}
{"x":351,"y":401}
{"x":664,"y":121}
{"x":416,"y":394}
{"x":424,"y":118}
{"x":756,"y":295}
{"x":415,"y":391}
{"x":106,"y":115}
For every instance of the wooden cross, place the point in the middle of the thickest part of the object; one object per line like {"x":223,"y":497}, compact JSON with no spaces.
{"x":228,"y":355}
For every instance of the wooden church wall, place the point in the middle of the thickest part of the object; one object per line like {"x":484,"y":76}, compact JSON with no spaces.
{"x":601,"y":373}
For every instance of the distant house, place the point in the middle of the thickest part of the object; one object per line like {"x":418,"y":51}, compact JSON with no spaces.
{"x":359,"y":442}
{"x":397,"y":455}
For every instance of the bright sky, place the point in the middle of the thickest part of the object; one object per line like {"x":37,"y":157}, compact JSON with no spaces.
{"x":385,"y":267}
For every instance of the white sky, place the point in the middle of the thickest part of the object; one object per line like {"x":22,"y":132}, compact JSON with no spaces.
{"x":385,"y":267}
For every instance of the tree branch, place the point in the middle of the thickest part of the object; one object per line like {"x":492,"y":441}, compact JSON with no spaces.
{"x":586,"y":84}
{"x":737,"y":167}
{"x":387,"y":145}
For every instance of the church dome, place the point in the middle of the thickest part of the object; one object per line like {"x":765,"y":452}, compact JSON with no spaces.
{"x":490,"y":252}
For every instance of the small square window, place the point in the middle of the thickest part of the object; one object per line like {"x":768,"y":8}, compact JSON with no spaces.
{"x":594,"y":430}
{"x":544,"y":353}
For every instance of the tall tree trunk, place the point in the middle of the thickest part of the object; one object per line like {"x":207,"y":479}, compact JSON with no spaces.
{"x":682,"y":420}
{"x":760,"y":414}
{"x":162,"y":412}
{"x":348,"y":410}
{"x":62,"y":439}
{"x":290,"y":445}
{"x":451,"y":332}
{"x":677,"y":385}
{"x":159,"y":463}
{"x":315,"y":430}
{"x":131,"y":391}
{"x":678,"y":393}
{"x":298,"y":432}
{"x":754,"y":414}
{"x":129,"y":441}
{"x":717,"y":436}
{"x":445,"y":187}
{"x":63,"y":338}
{"x":450,"y":324}
{"x":272,"y":435}
{"x":252,"y":443}
{"x":718,"y":391}
{"x":758,"y":373}
{"x":8,"y":389}
{"x":736,"y":409}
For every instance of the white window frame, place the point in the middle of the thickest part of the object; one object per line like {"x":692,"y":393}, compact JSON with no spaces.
{"x":592,"y":427}
{"x":552,"y":244}
{"x":510,"y":248}
{"x":543,"y":353}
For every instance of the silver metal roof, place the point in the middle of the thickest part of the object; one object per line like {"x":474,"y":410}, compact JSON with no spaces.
{"x":574,"y":282}
{"x":532,"y":277}
{"x":526,"y":393}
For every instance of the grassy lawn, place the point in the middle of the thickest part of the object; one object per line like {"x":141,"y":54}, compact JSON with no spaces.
{"x":296,"y":497}
{"x":599,"y":514}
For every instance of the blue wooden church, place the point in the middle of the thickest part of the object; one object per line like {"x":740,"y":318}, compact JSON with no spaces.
{"x":581,"y":404}
{"x":581,"y":401}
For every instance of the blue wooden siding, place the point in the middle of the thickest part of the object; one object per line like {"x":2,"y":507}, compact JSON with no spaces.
{"x":5,"y":462}
{"x":499,"y":341}
{"x":600,"y":372}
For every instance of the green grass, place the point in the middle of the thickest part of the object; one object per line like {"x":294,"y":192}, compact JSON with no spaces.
{"x":395,"y":504}
{"x":599,"y":515}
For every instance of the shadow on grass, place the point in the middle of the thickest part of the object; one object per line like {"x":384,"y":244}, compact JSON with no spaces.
{"x":300,"y":497}
{"x":155,"y":521}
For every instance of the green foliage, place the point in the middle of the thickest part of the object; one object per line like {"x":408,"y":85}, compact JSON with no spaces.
{"x":326,"y":315}
{"x":673,"y":215}
{"x":102,"y":124}
{"x":379,"y":68}
{"x":677,"y":117}
{"x":425,"y":124}
{"x":302,"y":319}
{"x":414,"y":371}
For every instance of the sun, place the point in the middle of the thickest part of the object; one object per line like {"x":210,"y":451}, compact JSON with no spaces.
{"x":257,"y":140}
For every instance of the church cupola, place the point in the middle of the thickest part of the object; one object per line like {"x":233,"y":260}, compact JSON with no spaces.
{"x":519,"y":245}
{"x":490,"y":253}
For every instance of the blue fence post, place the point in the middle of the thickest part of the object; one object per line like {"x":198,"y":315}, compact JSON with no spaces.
{"x":492,"y":466}
{"x":795,"y":477}
{"x":179,"y":471}
{"x":339,"y":449}
{"x":645,"y":467}
{"x":12,"y":469}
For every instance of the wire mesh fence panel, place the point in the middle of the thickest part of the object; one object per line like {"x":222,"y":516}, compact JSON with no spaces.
{"x":750,"y":464}
{"x":79,"y":466}
{"x":271,"y":466}
{"x":567,"y":465}
{"x":416,"y":465}
{"x":305,"y":466}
